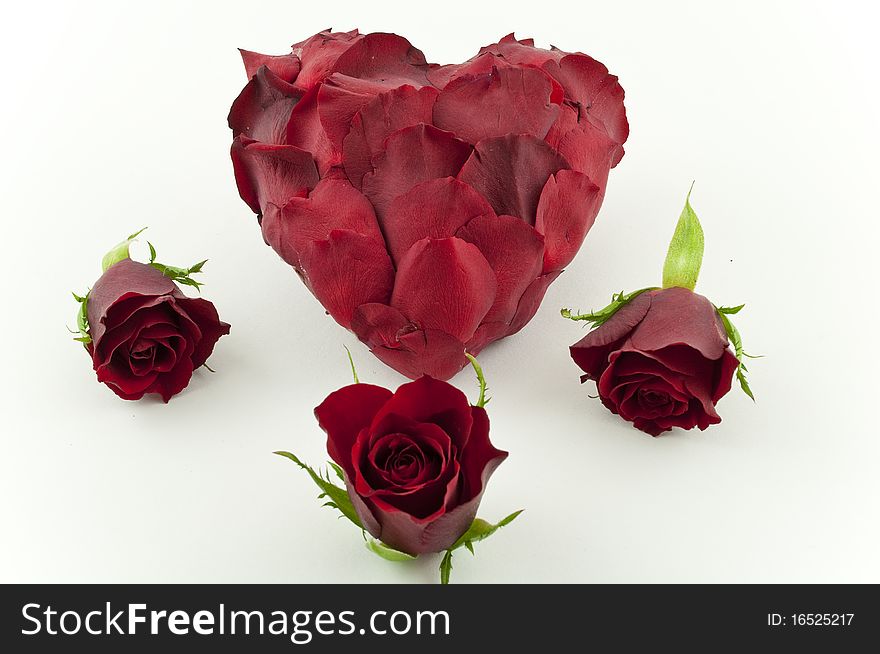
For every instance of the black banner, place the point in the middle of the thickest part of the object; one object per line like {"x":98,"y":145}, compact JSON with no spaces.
{"x":278,"y":618}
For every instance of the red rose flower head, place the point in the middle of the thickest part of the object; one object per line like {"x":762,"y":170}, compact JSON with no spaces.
{"x":142,"y":333}
{"x":660,"y":357}
{"x":427,"y":207}
{"x":415,"y":462}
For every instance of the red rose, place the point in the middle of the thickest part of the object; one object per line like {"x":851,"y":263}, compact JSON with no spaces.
{"x":415,"y":462}
{"x":427,"y":207}
{"x":661,"y":361}
{"x":146,"y":335}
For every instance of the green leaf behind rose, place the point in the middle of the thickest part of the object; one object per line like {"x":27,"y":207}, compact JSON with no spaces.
{"x":337,"y":497}
{"x":82,"y":320}
{"x":736,"y":340}
{"x":479,"y":530}
{"x":388,"y":553}
{"x":600,"y":317}
{"x":685,"y":254}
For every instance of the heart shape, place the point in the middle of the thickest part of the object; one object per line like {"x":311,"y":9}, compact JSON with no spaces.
{"x":427,"y":207}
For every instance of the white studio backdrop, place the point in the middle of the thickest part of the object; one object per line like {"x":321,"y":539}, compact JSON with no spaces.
{"x":114,"y":118}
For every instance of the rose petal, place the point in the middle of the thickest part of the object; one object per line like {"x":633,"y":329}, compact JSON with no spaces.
{"x":306,"y":132}
{"x":587,"y":82}
{"x":412,"y":155}
{"x":340,"y":97}
{"x":510,"y":171}
{"x":530,"y":301}
{"x":400,"y":344}
{"x":444,"y":284}
{"x":502,"y":101}
{"x":383,"y":115}
{"x":432,"y":209}
{"x":347,"y":270}
{"x":286,"y":67}
{"x":430,"y":400}
{"x":515,"y":252}
{"x":566,"y":211}
{"x":592,"y":351}
{"x":318,"y":55}
{"x":587,"y":148}
{"x":273,"y":174}
{"x":262,"y":109}
{"x":386,"y":57}
{"x":343,"y":414}
{"x":678,"y":315}
{"x":204,"y":314}
{"x":332,"y":204}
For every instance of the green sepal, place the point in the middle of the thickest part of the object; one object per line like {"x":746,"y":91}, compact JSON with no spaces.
{"x":337,"y":497}
{"x":685,"y":254}
{"x":600,"y":317}
{"x":82,"y":320}
{"x":119,"y":252}
{"x":354,"y":372}
{"x":482,"y":400}
{"x":446,"y":567}
{"x":479,"y":530}
{"x":736,"y":341}
{"x":388,"y":553}
{"x":181,"y":276}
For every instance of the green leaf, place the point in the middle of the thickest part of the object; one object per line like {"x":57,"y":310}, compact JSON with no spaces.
{"x":387,"y":553}
{"x":119,"y":252}
{"x":597,"y":318}
{"x":82,"y":319}
{"x":736,"y":341}
{"x":446,"y":567}
{"x":351,"y":363}
{"x":685,"y":255}
{"x":337,"y":497}
{"x":481,"y":529}
{"x":152,"y":252}
{"x":482,"y":400}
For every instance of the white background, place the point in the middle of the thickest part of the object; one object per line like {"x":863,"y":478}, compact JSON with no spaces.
{"x":114,"y":117}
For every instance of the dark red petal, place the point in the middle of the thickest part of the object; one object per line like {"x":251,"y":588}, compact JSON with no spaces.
{"x":627,"y":362}
{"x":726,"y":368}
{"x":332,"y":204}
{"x":286,"y":67}
{"x":587,"y":148}
{"x":271,"y":173}
{"x":566,"y":211}
{"x":383,"y":115}
{"x":204,"y":314}
{"x":502,"y":101}
{"x":404,"y":347}
{"x":587,"y":82}
{"x":530,"y":301}
{"x":479,"y":459}
{"x":171,"y":383}
{"x":341,"y":97}
{"x":305,"y":131}
{"x":522,"y":52}
{"x":126,"y":279}
{"x":487,"y":333}
{"x":592,"y":351}
{"x":319,"y":54}
{"x":385,"y":57}
{"x":431,"y":400}
{"x":345,"y":271}
{"x":412,"y":155}
{"x":343,"y":414}
{"x":510,"y":171}
{"x":433,"y":209}
{"x":441,"y":76}
{"x":262,"y":109}
{"x":514,"y":250}
{"x":678,"y":315}
{"x":444,"y":284}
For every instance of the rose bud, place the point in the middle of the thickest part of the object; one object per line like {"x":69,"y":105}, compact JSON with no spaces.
{"x":428,"y":208}
{"x":414,"y":462}
{"x":142,"y":333}
{"x":660,"y":357}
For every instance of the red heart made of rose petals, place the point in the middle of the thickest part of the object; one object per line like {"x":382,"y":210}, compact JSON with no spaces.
{"x":427,"y":207}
